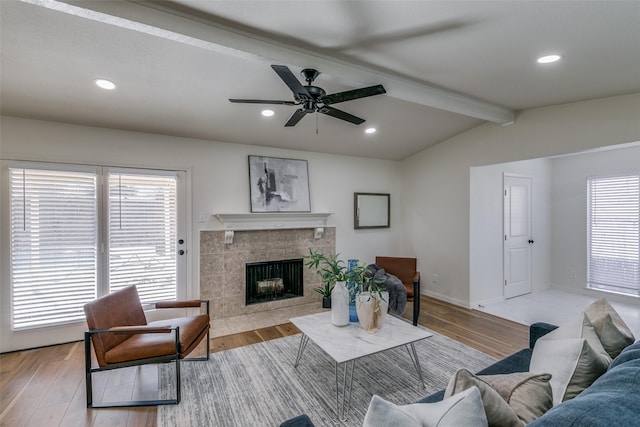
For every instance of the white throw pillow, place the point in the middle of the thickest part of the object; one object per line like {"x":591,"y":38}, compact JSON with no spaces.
{"x":572,"y":363}
{"x":462,"y":409}
{"x":580,"y":327}
{"x":574,"y":357}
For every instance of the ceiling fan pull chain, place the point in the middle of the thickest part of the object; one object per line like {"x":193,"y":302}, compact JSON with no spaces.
{"x":316,"y":123}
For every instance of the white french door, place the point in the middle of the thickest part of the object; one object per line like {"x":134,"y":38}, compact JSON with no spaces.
{"x":518,"y":240}
{"x":79,"y":232}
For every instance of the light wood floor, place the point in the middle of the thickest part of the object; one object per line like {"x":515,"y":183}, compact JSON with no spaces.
{"x":45,"y":387}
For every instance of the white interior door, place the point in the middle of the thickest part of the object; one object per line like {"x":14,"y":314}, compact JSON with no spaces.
{"x":518,"y":240}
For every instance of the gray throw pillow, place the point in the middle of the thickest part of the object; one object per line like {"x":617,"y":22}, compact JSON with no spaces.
{"x":510,"y":400}
{"x":613,"y":333}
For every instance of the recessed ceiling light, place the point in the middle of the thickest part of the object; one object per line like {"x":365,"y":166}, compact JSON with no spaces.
{"x":370,"y":130}
{"x":548,"y":59}
{"x":105,"y":84}
{"x":267,"y":113}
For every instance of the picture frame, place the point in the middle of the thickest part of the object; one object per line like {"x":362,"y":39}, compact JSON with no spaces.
{"x":278,"y":185}
{"x":371,"y":210}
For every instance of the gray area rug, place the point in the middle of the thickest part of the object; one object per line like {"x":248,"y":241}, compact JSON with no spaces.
{"x":257,"y":385}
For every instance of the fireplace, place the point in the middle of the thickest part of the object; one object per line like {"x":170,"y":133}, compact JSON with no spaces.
{"x":274,"y":280}
{"x":223,"y":266}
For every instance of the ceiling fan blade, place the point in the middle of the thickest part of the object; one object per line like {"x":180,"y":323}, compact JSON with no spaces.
{"x":262,"y":101}
{"x":339,"y":114}
{"x":290,"y":80}
{"x":349,"y":95}
{"x":295,"y":118}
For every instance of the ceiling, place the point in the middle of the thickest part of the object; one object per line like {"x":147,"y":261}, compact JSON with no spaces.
{"x":447,"y":66}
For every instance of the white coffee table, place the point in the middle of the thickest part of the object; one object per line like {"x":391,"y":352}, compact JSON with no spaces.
{"x":348,"y":343}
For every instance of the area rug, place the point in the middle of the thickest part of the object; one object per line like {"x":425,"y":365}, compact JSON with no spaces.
{"x":257,"y":385}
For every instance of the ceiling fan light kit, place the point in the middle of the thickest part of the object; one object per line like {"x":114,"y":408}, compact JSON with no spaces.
{"x":314,"y":99}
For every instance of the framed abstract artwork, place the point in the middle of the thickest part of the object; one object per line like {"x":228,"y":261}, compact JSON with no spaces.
{"x":278,"y":185}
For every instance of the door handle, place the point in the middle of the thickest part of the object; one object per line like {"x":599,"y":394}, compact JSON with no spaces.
{"x":530,"y":241}
{"x":180,"y":252}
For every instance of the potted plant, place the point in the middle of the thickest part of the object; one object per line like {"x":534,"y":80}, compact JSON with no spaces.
{"x":333,"y":273}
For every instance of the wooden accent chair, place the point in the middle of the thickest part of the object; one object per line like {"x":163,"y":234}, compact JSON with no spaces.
{"x":121,"y":337}
{"x":405,"y":270}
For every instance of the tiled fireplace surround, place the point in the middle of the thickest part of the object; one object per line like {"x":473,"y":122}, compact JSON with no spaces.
{"x":222,"y":275}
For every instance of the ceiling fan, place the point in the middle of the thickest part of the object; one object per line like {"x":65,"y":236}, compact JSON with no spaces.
{"x":313,"y":98}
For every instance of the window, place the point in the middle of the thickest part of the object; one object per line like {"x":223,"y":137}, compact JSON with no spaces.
{"x":613,"y":234}
{"x":57,"y":252}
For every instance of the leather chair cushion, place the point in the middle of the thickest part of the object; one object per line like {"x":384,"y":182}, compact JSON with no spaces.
{"x":143,"y":346}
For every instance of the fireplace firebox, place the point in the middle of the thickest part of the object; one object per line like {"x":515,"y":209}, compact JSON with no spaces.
{"x":274,"y":280}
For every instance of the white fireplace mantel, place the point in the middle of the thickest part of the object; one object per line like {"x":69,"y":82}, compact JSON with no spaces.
{"x":272,"y":220}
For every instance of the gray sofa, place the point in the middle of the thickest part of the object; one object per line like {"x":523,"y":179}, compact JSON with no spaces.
{"x":612,"y":400}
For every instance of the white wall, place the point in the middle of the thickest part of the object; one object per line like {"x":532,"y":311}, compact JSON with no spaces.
{"x":569,"y":210}
{"x":486,"y":227}
{"x":437,"y":180}
{"x":220,"y":183}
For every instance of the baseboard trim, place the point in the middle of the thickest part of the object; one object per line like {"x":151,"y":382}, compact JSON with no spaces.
{"x":446,"y":298}
{"x":483,"y":303}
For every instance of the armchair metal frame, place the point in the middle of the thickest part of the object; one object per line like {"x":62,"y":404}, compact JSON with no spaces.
{"x":142,"y":329}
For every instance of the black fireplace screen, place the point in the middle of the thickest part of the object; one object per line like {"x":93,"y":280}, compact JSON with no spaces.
{"x":274,"y":280}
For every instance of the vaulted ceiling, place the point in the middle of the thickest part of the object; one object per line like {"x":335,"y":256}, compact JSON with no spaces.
{"x":447,"y":66}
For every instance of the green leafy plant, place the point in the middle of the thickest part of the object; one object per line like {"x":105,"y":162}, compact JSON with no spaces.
{"x":330,"y":268}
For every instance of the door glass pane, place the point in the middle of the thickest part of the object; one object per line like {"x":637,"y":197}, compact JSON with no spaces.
{"x":142,"y":234}
{"x":54,"y":243}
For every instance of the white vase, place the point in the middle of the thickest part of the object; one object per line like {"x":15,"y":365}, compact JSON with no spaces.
{"x":340,"y":305}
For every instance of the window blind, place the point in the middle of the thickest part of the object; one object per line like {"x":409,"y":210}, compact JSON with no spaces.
{"x":613,"y":234}
{"x":53,"y":246}
{"x":142,"y":234}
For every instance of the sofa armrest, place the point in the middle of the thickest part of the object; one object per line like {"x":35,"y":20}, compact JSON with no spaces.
{"x":299,"y":421}
{"x":538,"y":330}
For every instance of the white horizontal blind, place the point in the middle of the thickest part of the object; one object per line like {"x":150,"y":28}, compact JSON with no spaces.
{"x":142,"y":234}
{"x":613,"y":234}
{"x":53,"y":246}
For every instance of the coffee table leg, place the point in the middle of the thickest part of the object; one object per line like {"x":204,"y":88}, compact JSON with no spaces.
{"x":416,"y":362}
{"x":342,"y":405}
{"x":303,"y":344}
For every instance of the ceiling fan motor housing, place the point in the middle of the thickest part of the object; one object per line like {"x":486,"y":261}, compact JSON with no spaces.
{"x":309,"y":75}
{"x":309,"y":106}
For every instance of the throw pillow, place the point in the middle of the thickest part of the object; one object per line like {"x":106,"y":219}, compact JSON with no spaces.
{"x":580,"y":327}
{"x":463,"y":409}
{"x":509,"y":399}
{"x":572,"y":363}
{"x":613,"y":333}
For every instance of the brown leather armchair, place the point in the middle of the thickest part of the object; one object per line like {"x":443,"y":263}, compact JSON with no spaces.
{"x":121,"y":337}
{"x":405,"y":270}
